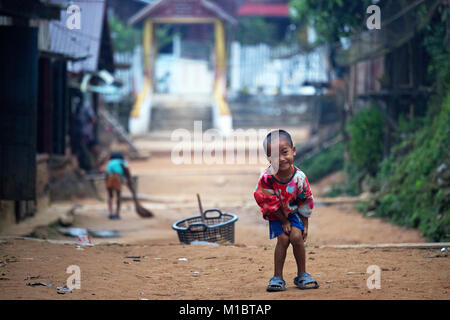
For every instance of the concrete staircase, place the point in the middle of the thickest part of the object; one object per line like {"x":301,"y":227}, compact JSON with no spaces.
{"x":164,"y":118}
{"x":175,"y":112}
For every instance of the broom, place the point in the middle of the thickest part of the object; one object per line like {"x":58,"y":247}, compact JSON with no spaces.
{"x":202,"y":214}
{"x":140,"y":210}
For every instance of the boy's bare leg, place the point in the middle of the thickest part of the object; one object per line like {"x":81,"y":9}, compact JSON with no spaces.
{"x":118,"y":203}
{"x":110,"y":196}
{"x":280,"y":254}
{"x":298,"y":247}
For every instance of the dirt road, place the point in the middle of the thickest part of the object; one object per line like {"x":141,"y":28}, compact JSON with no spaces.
{"x":239,"y":271}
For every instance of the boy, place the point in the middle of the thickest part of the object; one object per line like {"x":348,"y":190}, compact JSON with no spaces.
{"x":116,"y":171}
{"x":286,"y":200}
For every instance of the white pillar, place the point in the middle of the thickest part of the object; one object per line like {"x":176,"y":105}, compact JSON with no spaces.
{"x":235,"y":81}
{"x":177,"y":46}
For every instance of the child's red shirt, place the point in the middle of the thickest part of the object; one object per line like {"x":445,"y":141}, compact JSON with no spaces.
{"x":295,"y":194}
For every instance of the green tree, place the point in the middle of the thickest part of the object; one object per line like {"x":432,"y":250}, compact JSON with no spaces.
{"x":124,"y":37}
{"x":332,"y":19}
{"x":255,"y":30}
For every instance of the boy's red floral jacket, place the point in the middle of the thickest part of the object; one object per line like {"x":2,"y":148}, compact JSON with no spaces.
{"x":271,"y":194}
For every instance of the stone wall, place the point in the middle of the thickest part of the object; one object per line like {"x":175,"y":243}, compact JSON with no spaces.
{"x":12,"y":212}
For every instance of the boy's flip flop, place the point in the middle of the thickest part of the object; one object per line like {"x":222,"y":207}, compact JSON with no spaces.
{"x":304,"y":281}
{"x":276,"y":284}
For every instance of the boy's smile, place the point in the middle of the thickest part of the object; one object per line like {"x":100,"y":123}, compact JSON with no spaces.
{"x":285,"y":158}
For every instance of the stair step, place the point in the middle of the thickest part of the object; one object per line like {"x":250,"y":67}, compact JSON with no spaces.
{"x":179,"y":125}
{"x":164,"y":118}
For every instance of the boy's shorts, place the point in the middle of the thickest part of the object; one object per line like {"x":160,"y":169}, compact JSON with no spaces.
{"x":276,"y":228}
{"x":113,"y":181}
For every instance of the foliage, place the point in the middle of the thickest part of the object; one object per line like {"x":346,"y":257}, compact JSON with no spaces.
{"x":327,"y":161}
{"x":164,"y":35}
{"x":332,"y":19}
{"x":437,"y":43}
{"x":349,"y":188}
{"x":410,"y":194}
{"x":124,"y":37}
{"x":366,"y":140}
{"x":255,"y":30}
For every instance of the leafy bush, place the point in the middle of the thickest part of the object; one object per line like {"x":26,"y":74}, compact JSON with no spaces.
{"x":366,"y":144}
{"x":327,"y":161}
{"x":410,"y":194}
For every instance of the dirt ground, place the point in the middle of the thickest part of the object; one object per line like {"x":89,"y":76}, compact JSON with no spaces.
{"x":162,"y":268}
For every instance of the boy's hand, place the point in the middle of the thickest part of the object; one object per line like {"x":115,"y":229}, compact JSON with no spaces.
{"x":286,"y":227}
{"x":305,"y":225}
{"x":285,"y":224}
{"x":305,"y":234}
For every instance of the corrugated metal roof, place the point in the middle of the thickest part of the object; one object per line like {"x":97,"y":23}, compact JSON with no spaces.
{"x":81,"y":42}
{"x":266,"y":9}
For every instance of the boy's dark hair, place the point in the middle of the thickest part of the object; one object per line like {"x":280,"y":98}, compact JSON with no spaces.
{"x":281,"y":133}
{"x":116,"y":155}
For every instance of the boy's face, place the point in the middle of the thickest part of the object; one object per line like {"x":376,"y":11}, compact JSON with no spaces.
{"x":282,"y":161}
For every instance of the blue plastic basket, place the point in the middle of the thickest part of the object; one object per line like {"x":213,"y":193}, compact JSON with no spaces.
{"x":217,"y":227}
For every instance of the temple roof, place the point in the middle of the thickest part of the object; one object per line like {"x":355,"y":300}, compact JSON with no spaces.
{"x":264,"y":9}
{"x":180,"y":10}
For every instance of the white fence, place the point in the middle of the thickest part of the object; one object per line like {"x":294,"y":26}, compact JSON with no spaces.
{"x":271,"y":70}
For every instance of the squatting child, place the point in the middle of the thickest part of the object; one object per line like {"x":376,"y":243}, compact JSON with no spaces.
{"x":286,"y":201}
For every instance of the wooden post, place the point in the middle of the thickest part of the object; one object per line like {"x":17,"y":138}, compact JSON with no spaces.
{"x":220,"y":84}
{"x":220,"y":47}
{"x":221,"y":112}
{"x":150,"y":50}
